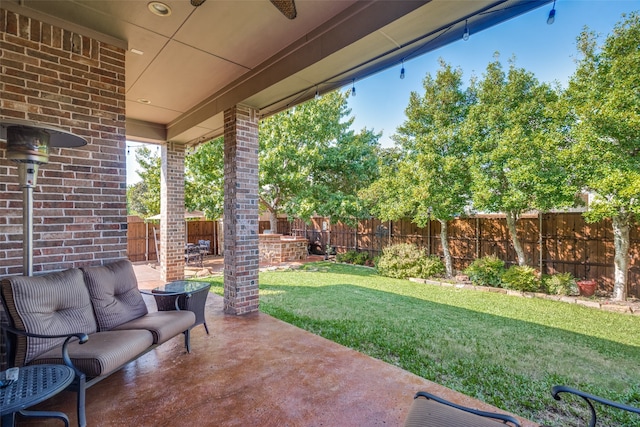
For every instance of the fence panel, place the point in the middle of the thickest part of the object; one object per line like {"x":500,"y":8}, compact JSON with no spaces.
{"x":142,"y":238}
{"x":553,"y":243}
{"x":567,"y":242}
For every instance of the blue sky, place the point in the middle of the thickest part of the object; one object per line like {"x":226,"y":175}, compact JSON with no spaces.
{"x":548,"y":51}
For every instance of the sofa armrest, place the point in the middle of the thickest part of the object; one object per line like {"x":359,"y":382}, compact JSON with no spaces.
{"x":556,"y":390}
{"x":82,"y":338}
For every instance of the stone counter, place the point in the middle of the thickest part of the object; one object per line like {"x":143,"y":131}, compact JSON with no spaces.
{"x":276,"y":248}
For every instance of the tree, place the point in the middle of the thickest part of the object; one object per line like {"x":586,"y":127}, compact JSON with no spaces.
{"x":136,"y":194}
{"x":604,"y":99}
{"x":204,"y":179}
{"x":144,"y":196}
{"x":428,"y":177}
{"x":311,"y":163}
{"x":518,"y":152}
{"x":347,"y":165}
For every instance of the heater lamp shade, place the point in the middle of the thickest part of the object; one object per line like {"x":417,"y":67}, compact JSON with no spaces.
{"x":29,"y":142}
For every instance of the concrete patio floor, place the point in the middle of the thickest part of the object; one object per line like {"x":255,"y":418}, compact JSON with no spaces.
{"x":252,"y":370}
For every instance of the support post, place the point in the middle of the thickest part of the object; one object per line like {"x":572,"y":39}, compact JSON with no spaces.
{"x":241,"y":251}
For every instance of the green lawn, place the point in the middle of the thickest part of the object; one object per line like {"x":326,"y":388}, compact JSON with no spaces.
{"x":505,"y":350}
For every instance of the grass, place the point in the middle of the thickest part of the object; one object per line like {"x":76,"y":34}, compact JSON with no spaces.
{"x":504,"y":350}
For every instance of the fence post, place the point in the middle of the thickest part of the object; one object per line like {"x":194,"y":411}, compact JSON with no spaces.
{"x":477,"y":237}
{"x":540,"y":240}
{"x":429,"y":236}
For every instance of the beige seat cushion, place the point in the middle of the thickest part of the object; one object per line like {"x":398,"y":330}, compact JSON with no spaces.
{"x":103,"y":353}
{"x":114,"y":294}
{"x":429,"y":413}
{"x":51,"y":304}
{"x":164,"y":325}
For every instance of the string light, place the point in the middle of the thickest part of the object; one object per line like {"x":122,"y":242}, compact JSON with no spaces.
{"x":465,"y":35}
{"x":402,"y":70}
{"x":552,"y":14}
{"x":353,"y":87}
{"x":317,"y":96}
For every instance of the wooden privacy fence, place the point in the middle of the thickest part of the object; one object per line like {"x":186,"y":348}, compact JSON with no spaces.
{"x":553,"y":243}
{"x":144,"y":237}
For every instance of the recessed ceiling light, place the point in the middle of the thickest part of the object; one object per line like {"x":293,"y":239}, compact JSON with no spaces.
{"x":136,"y":51}
{"x":159,"y":8}
{"x":144,"y":101}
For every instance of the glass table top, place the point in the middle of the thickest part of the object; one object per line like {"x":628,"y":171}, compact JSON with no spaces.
{"x":182,"y":287}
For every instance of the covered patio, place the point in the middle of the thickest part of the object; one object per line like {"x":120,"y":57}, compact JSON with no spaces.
{"x":252,"y":370}
{"x":178,"y":74}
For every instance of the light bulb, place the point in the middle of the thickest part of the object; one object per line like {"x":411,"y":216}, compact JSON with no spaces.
{"x":465,"y":35}
{"x":552,"y":14}
{"x":402,"y":71}
{"x":353,"y":88}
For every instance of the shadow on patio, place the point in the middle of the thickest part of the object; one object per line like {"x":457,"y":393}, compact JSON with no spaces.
{"x":252,"y":370}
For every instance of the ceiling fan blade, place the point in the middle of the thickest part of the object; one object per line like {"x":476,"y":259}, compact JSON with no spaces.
{"x":287,"y":7}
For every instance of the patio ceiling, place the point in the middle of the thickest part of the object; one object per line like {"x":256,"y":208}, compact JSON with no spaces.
{"x":183,"y":70}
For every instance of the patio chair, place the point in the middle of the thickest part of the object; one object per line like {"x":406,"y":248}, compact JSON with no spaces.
{"x":205,"y":247}
{"x":428,"y":410}
{"x":589,"y":398}
{"x":192,"y":253}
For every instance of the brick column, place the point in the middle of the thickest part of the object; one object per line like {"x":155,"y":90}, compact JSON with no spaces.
{"x":241,"y":254}
{"x":172,"y":227}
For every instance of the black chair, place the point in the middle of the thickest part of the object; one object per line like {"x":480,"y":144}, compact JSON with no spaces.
{"x":205,"y":247}
{"x":192,"y":253}
{"x":589,"y":398}
{"x":428,"y":410}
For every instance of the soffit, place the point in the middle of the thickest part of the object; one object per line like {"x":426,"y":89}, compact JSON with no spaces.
{"x":198,"y":61}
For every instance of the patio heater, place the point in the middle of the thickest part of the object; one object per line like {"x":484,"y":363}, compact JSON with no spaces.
{"x":28,"y":145}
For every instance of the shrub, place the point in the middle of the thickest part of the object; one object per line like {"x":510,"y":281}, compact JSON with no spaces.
{"x":400,"y":261}
{"x":406,"y":260}
{"x":560,"y":284}
{"x":521,"y":278}
{"x":354,"y":257}
{"x":486,"y":271}
{"x":433,"y":267}
{"x":345,"y":257}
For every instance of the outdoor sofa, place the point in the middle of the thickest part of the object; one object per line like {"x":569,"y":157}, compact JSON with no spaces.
{"x":92,"y":319}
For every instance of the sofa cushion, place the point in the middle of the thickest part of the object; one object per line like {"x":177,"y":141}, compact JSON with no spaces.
{"x":103,"y":353}
{"x":52,"y":304}
{"x":114,"y":293}
{"x":164,"y":325}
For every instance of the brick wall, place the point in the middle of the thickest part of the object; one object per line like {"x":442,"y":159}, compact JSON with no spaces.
{"x":63,"y":79}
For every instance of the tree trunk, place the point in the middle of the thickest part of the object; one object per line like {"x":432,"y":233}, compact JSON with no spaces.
{"x":273,"y":221}
{"x":621,"y":257}
{"x":445,"y":247}
{"x":512,"y":218}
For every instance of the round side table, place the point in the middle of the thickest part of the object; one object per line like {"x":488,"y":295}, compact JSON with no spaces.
{"x":35,"y":384}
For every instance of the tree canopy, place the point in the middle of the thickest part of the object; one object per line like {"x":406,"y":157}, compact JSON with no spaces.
{"x":517,"y":162}
{"x":428,"y":177}
{"x":603,"y":100}
{"x":311,"y":162}
{"x":204,"y":179}
{"x":143,"y":197}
